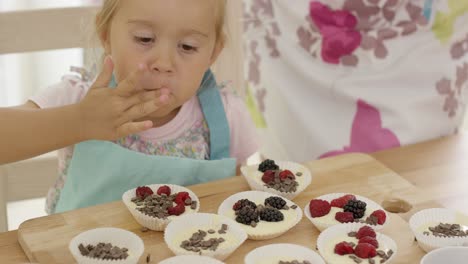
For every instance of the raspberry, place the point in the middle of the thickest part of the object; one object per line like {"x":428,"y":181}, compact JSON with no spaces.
{"x":343,"y":248}
{"x":344,"y":217}
{"x":143,"y":191}
{"x":341,"y":202}
{"x":319,"y":208}
{"x":276,"y":202}
{"x":243,"y":203}
{"x":164,"y":189}
{"x":176,"y":210}
{"x":181,"y":197}
{"x":268,"y":176}
{"x":365,"y":231}
{"x":267,"y":165}
{"x":365,"y":250}
{"x":369,"y":240}
{"x":381,"y":216}
{"x":286,"y":174}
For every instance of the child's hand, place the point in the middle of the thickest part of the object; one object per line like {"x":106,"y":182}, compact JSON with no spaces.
{"x":108,"y":113}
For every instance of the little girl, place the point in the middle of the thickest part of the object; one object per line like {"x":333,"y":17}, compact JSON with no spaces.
{"x":200,"y":133}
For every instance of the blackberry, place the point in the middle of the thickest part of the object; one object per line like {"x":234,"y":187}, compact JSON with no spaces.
{"x":246,"y":215}
{"x":267,"y":164}
{"x":243,"y":203}
{"x":271,"y":215}
{"x":357,"y":207}
{"x":276,"y":202}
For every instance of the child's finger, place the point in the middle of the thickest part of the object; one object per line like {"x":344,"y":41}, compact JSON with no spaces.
{"x":133,"y":128}
{"x":105,"y":76}
{"x":145,"y":96}
{"x":131,"y":84}
{"x":143,"y":109}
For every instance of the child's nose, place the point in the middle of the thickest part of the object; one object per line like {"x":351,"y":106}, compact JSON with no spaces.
{"x":163,"y":60}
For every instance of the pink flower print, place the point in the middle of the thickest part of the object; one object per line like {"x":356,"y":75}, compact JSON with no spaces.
{"x":444,"y":88}
{"x":367,"y":133}
{"x":337,"y":29}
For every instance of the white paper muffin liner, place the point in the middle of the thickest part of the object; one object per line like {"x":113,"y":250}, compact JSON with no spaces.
{"x":259,"y":197}
{"x":116,"y":236}
{"x":204,"y":221}
{"x":249,"y":174}
{"x":330,"y":234}
{"x":447,"y":255}
{"x":155,"y":223}
{"x":293,"y":251}
{"x":191,"y":259}
{"x":321,"y":225}
{"x":435,"y":216}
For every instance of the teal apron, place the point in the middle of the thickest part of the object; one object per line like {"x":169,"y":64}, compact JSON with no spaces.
{"x":101,"y":171}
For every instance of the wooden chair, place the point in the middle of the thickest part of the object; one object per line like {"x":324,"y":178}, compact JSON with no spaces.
{"x":61,"y":28}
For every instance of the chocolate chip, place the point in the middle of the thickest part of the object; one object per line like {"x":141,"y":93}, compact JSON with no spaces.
{"x":355,"y":259}
{"x":299,"y":174}
{"x":352,"y":234}
{"x":294,"y":262}
{"x":148,"y":258}
{"x":84,"y":251}
{"x":287,"y":185}
{"x":446,"y":230}
{"x":144,"y":229}
{"x":197,"y":241}
{"x":293,"y":206}
{"x":103,"y":251}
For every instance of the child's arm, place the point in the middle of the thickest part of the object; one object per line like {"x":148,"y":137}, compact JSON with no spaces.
{"x":106,"y":114}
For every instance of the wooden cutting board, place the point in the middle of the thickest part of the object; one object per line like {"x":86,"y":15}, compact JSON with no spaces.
{"x":46,"y":239}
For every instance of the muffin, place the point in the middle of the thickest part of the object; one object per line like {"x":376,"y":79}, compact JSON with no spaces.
{"x":337,"y":208}
{"x":439,"y":227}
{"x":283,"y":253}
{"x":191,"y":259}
{"x":204,"y":234}
{"x":284,"y":178}
{"x":105,"y":245}
{"x":262,"y":215}
{"x":155,"y":206}
{"x":355,"y":243}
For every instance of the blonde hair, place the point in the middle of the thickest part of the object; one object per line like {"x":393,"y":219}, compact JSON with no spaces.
{"x":110,"y":7}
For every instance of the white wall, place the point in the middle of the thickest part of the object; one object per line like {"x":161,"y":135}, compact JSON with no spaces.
{"x":22,"y":75}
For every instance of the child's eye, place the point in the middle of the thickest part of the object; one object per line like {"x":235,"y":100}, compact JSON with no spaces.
{"x":144,"y":40}
{"x":188,"y":48}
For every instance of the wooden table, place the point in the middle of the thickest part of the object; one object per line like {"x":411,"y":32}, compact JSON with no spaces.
{"x":435,"y":168}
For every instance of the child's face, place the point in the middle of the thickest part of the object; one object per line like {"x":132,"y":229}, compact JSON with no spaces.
{"x":174,"y":39}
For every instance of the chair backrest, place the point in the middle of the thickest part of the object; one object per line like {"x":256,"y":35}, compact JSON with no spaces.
{"x":43,"y":29}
